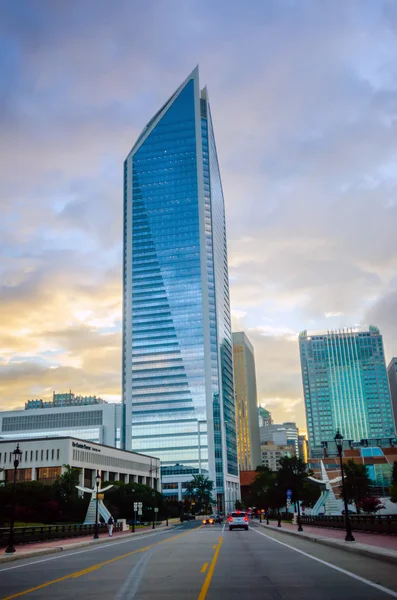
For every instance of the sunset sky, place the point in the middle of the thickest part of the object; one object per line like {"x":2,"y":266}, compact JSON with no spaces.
{"x":304,"y":101}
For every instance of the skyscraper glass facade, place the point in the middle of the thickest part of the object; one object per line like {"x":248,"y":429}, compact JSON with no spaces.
{"x":345,"y":386}
{"x":177,"y":351}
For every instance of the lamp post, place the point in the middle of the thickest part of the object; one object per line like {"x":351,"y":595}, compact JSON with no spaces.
{"x":17,"y":457}
{"x":166,"y":512}
{"x":296,"y":473}
{"x":133,"y":505}
{"x":278,"y":506}
{"x":97,"y":482}
{"x":339,"y":445}
{"x":153,"y":495}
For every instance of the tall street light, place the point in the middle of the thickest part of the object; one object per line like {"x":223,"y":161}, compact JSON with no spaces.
{"x":339,"y":445}
{"x":133,"y":505}
{"x":153,"y":495}
{"x":17,"y":457}
{"x":97,"y":482}
{"x":296,"y":473}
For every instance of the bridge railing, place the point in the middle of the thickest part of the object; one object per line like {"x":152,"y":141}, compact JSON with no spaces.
{"x":373,"y":523}
{"x":41,"y":533}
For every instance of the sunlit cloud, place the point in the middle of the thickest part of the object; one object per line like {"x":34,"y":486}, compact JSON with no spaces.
{"x":305,"y":114}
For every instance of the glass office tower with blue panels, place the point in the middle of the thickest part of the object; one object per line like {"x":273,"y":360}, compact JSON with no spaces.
{"x":178,"y":392}
{"x":345,"y":387}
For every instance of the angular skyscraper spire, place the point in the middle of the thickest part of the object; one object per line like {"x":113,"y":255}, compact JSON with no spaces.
{"x":178,"y":391}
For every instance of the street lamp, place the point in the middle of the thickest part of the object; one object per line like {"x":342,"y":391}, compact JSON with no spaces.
{"x":278,"y":506}
{"x":97,"y":482}
{"x":17,"y":457}
{"x":133,"y":505}
{"x":296,"y":473}
{"x":153,"y":495}
{"x":339,"y":445}
{"x":166,"y":512}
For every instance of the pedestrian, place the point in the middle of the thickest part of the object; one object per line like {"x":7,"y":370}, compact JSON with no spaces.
{"x":110,"y":525}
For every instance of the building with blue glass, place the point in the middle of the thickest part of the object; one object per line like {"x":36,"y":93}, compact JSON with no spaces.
{"x":178,"y":390}
{"x":392,"y":374}
{"x":345,"y":387}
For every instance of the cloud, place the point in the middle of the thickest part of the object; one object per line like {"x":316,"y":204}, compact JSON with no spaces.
{"x":304,"y":101}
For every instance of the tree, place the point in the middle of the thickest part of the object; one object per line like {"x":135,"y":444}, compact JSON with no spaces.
{"x":121,"y":497}
{"x":357,"y":482}
{"x":260,"y":488}
{"x":65,"y":484}
{"x":200,"y":489}
{"x":370,"y":505}
{"x":393,"y":487}
{"x":292,"y":475}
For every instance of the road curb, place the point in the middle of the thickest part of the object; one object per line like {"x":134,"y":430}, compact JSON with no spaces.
{"x":355,"y":547}
{"x":57,"y":549}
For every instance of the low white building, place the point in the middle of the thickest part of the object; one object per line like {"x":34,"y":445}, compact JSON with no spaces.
{"x":44,"y":458}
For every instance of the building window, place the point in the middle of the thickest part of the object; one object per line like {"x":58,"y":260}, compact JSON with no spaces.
{"x":31,"y":456}
{"x":48,"y":475}
{"x":58,"y":454}
{"x":47,"y":454}
{"x":52,"y":454}
{"x":42,"y":455}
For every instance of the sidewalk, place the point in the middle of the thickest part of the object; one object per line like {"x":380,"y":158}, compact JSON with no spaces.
{"x":47,"y":547}
{"x":383,"y":547}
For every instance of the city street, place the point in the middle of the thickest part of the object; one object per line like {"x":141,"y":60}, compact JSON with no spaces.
{"x":192,"y":561}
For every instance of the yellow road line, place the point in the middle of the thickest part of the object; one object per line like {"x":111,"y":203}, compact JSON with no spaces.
{"x":204,"y":567}
{"x":96,"y":567}
{"x":206,"y":584}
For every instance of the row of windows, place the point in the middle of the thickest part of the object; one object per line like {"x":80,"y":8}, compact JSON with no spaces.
{"x":31,"y":456}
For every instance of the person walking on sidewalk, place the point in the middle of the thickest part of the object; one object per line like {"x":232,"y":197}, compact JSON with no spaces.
{"x":110,"y":525}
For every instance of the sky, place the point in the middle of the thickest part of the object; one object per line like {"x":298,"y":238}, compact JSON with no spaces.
{"x":304,"y":102}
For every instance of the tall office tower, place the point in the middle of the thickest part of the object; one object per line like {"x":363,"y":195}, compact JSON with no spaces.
{"x":178,"y":390}
{"x":392,"y":375}
{"x":248,"y":442}
{"x":264,"y":417}
{"x":345,"y":387}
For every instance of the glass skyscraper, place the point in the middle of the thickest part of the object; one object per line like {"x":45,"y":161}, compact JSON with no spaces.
{"x":178,"y":391}
{"x":345,"y":387}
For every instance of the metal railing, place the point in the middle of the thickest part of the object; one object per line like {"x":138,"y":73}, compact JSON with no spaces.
{"x":386,"y":524}
{"x":37,"y":533}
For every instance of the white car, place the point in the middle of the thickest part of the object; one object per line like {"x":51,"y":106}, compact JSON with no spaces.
{"x":238,"y":519}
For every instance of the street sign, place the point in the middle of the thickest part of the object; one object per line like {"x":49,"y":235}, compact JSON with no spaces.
{"x":139,"y":512}
{"x":289,"y":494}
{"x":156,"y":510}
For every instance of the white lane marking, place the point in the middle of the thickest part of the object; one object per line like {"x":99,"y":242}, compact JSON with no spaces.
{"x":327,"y":564}
{"x":66,"y":554}
{"x":133,"y":579}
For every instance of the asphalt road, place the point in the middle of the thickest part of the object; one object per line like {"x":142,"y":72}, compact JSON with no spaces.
{"x":196,"y":562}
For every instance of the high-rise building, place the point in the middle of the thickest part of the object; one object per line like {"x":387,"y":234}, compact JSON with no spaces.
{"x":248,"y":442}
{"x":178,"y":390}
{"x":264,"y":417}
{"x":392,"y":375}
{"x":345,"y":386}
{"x":66,"y":399}
{"x":272,"y":453}
{"x":303,"y":449}
{"x":281,"y":434}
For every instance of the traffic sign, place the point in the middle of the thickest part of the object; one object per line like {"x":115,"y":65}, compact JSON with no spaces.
{"x":139,"y":512}
{"x":289,"y":494}
{"x":156,"y":510}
